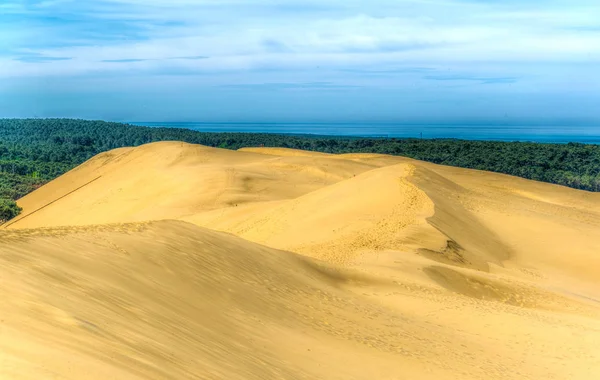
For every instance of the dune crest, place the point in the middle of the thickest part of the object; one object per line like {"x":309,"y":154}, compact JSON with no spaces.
{"x":172,"y":261}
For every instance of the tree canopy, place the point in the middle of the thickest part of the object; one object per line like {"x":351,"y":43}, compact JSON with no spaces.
{"x":8,"y":210}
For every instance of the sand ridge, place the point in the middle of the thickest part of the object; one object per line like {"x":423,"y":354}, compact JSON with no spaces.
{"x":173,"y":261}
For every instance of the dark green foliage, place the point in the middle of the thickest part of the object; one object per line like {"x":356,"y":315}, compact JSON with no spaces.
{"x":8,"y":210}
{"x":34,"y":151}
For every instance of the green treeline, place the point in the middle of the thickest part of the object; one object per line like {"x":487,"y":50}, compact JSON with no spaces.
{"x":8,"y":210}
{"x":34,"y":151}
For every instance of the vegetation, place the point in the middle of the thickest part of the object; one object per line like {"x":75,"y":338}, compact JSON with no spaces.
{"x":34,"y":151}
{"x":8,"y":210}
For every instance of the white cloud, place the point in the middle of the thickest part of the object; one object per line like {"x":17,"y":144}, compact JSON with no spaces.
{"x":144,"y":35}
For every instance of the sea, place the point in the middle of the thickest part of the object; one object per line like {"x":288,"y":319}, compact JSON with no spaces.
{"x":542,"y":134}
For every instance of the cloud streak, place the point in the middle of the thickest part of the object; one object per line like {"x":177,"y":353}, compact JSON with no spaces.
{"x":128,"y":60}
{"x":467,"y":78}
{"x":124,"y":60}
{"x":291,"y":86}
{"x":39,"y":59}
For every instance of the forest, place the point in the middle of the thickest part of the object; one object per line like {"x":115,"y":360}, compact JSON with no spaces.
{"x":34,"y":151}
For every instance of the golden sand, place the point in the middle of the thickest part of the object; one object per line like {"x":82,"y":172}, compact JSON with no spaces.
{"x":177,"y":261}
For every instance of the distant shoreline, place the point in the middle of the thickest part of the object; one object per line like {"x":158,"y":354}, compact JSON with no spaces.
{"x":536,"y":134}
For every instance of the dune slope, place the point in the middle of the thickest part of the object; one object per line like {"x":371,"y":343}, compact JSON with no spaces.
{"x":172,"y":180}
{"x":168,"y":300}
{"x":178,"y":261}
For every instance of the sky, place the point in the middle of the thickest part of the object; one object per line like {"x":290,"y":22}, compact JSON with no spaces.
{"x":513,"y":61}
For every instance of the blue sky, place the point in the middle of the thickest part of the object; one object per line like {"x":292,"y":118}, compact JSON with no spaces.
{"x":326,"y":60}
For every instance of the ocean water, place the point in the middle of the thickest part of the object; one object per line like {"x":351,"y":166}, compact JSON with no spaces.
{"x":544,"y":134}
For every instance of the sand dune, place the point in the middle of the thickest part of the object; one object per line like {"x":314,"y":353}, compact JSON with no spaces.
{"x":337,"y":222}
{"x":292,"y":264}
{"x":172,"y":180}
